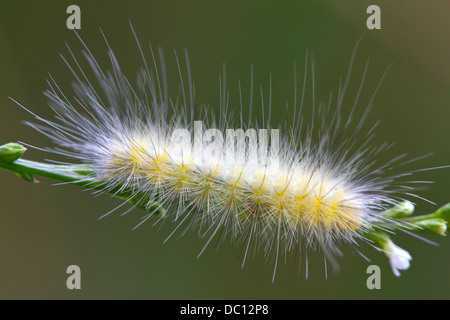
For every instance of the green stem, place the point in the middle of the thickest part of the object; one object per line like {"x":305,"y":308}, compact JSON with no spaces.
{"x":76,"y":174}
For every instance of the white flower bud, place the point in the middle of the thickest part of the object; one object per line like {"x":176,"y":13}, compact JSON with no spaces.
{"x":398,"y":257}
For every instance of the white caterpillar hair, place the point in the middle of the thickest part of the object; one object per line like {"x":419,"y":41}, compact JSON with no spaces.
{"x":317,"y":188}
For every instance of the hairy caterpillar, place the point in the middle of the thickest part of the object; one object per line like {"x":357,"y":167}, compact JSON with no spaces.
{"x":314,"y":187}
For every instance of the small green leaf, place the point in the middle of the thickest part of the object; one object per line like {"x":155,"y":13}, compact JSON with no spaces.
{"x":27,"y":177}
{"x":400,"y":211}
{"x":443,"y":213}
{"x":433,"y":226}
{"x":10,"y":152}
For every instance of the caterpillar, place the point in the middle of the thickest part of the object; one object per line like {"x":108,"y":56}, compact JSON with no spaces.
{"x":310,"y":185}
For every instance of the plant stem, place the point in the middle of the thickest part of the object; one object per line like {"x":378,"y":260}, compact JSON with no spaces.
{"x":81,"y":175}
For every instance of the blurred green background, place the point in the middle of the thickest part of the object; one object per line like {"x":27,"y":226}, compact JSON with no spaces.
{"x":45,"y":228}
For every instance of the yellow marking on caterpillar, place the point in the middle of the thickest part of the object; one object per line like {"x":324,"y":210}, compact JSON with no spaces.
{"x":136,"y":153}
